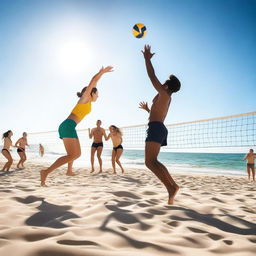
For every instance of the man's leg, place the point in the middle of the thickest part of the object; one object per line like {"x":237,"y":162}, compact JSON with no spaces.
{"x":99,"y":151}
{"x":249,"y":173}
{"x":152,"y":150}
{"x":93,"y":150}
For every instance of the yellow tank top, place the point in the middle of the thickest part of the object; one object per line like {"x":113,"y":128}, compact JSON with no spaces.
{"x":81,"y":110}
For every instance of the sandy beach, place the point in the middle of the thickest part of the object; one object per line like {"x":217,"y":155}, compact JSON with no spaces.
{"x":105,"y":214}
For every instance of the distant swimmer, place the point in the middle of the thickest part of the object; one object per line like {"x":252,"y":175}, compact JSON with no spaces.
{"x":116,"y":137}
{"x":97,"y":133}
{"x":41,"y":150}
{"x":67,"y":131}
{"x":250,"y":164}
{"x":6,"y":150}
{"x":21,"y":145}
{"x":157,"y":132}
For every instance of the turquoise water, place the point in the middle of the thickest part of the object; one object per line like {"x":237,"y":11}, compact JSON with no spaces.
{"x":211,"y":163}
{"x":194,"y":162}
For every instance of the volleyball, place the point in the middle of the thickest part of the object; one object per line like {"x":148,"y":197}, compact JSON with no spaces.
{"x":139,"y":30}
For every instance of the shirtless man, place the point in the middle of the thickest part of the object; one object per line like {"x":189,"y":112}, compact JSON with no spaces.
{"x":116,"y":137}
{"x":250,"y":164}
{"x":157,"y":132}
{"x":97,"y":133}
{"x":6,"y":150}
{"x":21,"y":145}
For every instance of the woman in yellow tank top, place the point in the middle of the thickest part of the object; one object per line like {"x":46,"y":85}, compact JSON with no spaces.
{"x":67,"y":131}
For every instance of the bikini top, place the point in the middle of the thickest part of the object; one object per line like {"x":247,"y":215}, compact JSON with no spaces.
{"x":81,"y":110}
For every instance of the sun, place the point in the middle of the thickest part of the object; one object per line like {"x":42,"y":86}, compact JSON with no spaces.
{"x":73,"y":55}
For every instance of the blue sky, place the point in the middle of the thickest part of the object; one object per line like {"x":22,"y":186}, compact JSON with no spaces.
{"x":49,"y":50}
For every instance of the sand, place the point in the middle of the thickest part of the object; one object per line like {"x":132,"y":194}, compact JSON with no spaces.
{"x":125,"y":215}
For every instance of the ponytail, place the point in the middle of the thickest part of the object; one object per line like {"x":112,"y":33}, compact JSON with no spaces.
{"x":6,"y":134}
{"x":80,"y":94}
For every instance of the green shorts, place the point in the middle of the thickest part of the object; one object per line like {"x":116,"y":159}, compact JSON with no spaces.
{"x":67,"y":129}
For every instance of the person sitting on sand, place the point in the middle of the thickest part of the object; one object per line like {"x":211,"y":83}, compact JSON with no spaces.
{"x":157,"y":132}
{"x":21,"y":145}
{"x":41,"y":150}
{"x":67,"y":131}
{"x":250,"y":164}
{"x":97,"y":133}
{"x":6,"y":150}
{"x":116,"y":137}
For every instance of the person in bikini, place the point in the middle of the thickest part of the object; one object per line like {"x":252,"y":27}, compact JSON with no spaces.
{"x":97,"y":133}
{"x":116,"y":137}
{"x":6,"y":150}
{"x":67,"y":131}
{"x":157,"y":132}
{"x":41,"y":150}
{"x":21,"y":145}
{"x":250,"y":164}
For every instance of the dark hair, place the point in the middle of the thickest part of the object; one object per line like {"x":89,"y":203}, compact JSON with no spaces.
{"x":94,"y":90}
{"x":6,"y":134}
{"x":116,"y":129}
{"x":173,"y":83}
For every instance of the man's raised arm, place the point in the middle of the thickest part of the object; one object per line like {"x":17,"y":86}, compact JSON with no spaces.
{"x":150,"y":70}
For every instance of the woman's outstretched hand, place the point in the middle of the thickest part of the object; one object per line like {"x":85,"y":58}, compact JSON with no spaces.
{"x":106,"y":69}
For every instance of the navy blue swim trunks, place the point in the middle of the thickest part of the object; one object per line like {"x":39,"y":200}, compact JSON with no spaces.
{"x":96,"y":145}
{"x":116,"y":148}
{"x":157,"y":132}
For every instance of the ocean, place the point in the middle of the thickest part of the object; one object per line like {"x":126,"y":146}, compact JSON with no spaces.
{"x":182,"y":162}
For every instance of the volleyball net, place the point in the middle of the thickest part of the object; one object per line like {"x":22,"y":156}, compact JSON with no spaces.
{"x":222,"y":132}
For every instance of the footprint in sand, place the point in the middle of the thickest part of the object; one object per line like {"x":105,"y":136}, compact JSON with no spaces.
{"x":174,"y":223}
{"x":125,"y":194}
{"x":5,"y":190}
{"x":124,"y":203}
{"x":228,"y":242}
{"x":36,"y":237}
{"x":77,"y":242}
{"x":215,"y":236}
{"x":217,"y":200}
{"x":123,"y":228}
{"x":252,"y":240}
{"x":196,"y":230}
{"x":156,"y":212}
{"x":240,"y":199}
{"x":143,"y":205}
{"x":153,"y":201}
{"x":194,"y":243}
{"x":149,"y":193}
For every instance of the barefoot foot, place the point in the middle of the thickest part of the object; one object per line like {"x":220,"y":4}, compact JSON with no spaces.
{"x":171,"y":196}
{"x":70,"y":174}
{"x":43,"y":175}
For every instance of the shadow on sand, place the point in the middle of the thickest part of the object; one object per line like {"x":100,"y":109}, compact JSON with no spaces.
{"x":49,"y":215}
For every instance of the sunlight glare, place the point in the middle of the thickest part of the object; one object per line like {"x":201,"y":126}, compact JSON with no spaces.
{"x":73,"y":56}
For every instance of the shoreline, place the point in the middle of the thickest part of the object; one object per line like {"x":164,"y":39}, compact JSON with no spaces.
{"x":186,"y":170}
